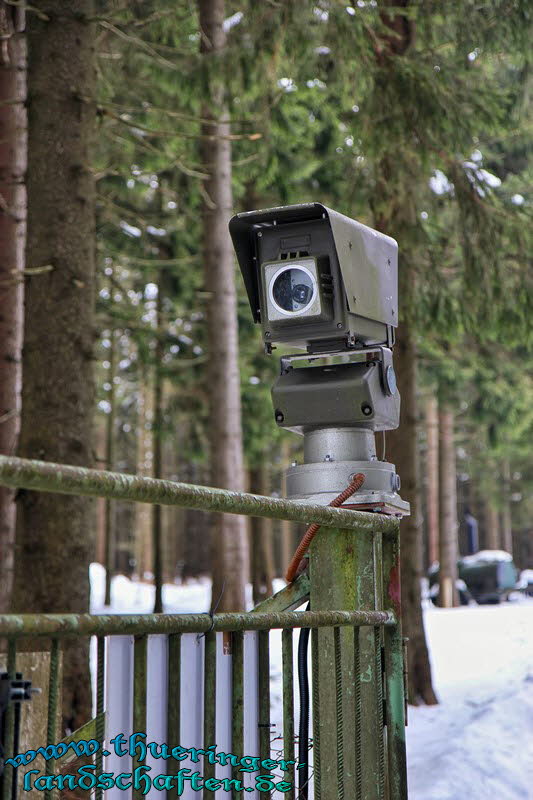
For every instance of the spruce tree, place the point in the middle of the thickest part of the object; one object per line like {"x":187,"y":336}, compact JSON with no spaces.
{"x":54,"y":542}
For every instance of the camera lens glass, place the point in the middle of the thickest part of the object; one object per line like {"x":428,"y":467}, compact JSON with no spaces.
{"x":293,"y":289}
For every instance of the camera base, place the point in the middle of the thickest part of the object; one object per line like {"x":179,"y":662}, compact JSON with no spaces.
{"x":332,"y":457}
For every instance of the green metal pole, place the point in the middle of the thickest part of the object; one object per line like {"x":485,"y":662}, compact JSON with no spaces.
{"x":46,"y":476}
{"x":347,"y":679}
{"x":394,"y":683}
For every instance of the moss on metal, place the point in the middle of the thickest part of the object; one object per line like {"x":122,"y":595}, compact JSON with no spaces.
{"x":46,"y":476}
{"x":58,"y":625}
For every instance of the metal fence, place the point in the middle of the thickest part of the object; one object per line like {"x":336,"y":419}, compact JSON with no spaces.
{"x":201,"y":681}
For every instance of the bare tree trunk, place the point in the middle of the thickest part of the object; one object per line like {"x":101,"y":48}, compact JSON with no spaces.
{"x":230,"y":550}
{"x":448,"y":547}
{"x":54,"y":539}
{"x":157,"y":441}
{"x":403,"y":451}
{"x":12,"y":237}
{"x":110,"y":465}
{"x":506,"y":521}
{"x":262,"y":560}
{"x":143,"y":544}
{"x":287,"y":528}
{"x":492,"y":526}
{"x":393,"y":216}
{"x":432,"y":478}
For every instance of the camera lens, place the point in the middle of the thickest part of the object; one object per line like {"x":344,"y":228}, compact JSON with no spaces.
{"x":293,"y":289}
{"x":301,"y":294}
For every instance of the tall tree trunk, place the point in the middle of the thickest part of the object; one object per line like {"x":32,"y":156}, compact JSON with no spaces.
{"x":12,"y":236}
{"x":110,"y":516}
{"x":403,"y":451}
{"x":286,"y":526}
{"x":448,"y":547}
{"x":157,"y":449}
{"x":492,"y":526}
{"x":432,"y":478}
{"x":143,"y":533}
{"x":262,"y":555}
{"x":394,"y":216}
{"x":54,"y":539}
{"x":230,"y":550}
{"x":506,"y":521}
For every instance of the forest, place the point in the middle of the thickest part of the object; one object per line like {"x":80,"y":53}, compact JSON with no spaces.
{"x":131,"y":132}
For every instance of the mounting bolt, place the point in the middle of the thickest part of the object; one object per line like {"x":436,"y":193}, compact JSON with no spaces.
{"x":279,"y":416}
{"x":340,"y":325}
{"x":328,"y":458}
{"x":366,"y":409}
{"x":267,"y":334}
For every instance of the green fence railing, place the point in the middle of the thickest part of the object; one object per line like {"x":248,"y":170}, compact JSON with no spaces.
{"x":357,"y":666}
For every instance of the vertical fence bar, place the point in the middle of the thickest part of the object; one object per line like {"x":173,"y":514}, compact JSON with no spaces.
{"x":358,"y":715}
{"x":210,"y":696}
{"x":339,"y":715}
{"x":394,"y":689}
{"x":237,"y":706}
{"x":264,"y":698}
{"x":53,"y":705}
{"x":378,"y":661}
{"x":251,"y":708}
{"x":174,"y":702}
{"x":288,"y":707}
{"x":223,"y":704}
{"x":100,"y":722}
{"x":9,"y":776}
{"x":139,"y":699}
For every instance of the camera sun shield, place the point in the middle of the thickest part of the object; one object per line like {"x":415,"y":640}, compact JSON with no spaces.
{"x":317,"y":279}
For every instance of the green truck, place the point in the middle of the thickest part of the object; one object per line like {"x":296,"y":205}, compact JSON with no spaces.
{"x":486,"y":577}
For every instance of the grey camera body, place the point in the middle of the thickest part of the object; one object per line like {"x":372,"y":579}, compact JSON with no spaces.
{"x":337,"y":395}
{"x":327,"y":284}
{"x":316,"y":279}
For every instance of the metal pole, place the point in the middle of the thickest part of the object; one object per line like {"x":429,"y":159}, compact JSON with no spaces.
{"x":348,"y":723}
{"x":46,"y":476}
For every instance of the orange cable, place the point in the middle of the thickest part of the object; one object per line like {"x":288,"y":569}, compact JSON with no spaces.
{"x":308,"y":536}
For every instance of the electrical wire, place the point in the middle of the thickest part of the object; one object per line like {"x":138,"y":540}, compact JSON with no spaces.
{"x":292,"y":571}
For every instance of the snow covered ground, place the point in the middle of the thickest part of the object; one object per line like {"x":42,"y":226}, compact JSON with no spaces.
{"x":478,"y":743}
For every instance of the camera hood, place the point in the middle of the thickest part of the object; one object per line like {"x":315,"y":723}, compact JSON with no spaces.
{"x":367,"y":259}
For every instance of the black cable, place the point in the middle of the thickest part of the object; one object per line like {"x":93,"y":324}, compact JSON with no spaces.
{"x":303,"y":733}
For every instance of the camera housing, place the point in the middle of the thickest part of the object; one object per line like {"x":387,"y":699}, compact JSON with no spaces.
{"x":317,"y":279}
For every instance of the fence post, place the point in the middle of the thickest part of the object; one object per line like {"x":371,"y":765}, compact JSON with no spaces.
{"x":349,"y":754}
{"x":394,"y":668}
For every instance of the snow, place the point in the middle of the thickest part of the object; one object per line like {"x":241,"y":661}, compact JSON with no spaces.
{"x":487,"y":556}
{"x":526,"y":578}
{"x":478,"y":742}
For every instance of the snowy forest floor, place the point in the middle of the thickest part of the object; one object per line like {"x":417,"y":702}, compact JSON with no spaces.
{"x":478,"y":742}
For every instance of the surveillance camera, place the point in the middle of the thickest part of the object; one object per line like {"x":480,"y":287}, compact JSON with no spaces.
{"x":316,"y":279}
